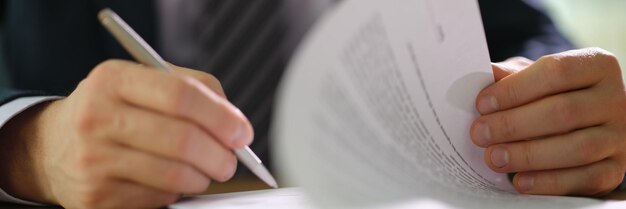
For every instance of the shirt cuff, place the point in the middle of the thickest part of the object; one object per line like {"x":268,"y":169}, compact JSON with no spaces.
{"x":10,"y":110}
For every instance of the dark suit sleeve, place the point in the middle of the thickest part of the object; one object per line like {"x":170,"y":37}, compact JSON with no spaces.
{"x":8,"y":94}
{"x":520,"y":28}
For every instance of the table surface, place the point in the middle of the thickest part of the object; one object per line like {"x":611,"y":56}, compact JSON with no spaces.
{"x":235,"y":185}
{"x":248,"y":184}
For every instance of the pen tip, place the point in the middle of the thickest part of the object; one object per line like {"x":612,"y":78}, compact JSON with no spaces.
{"x":273,"y":183}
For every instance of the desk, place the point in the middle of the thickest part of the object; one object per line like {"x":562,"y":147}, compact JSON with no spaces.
{"x":235,"y":185}
{"x":616,"y":196}
{"x":247,"y":184}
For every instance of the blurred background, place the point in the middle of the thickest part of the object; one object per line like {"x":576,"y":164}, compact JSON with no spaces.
{"x":597,"y":23}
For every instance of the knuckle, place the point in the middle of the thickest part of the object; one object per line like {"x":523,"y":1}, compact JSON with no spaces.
{"x":224,"y":122}
{"x":508,"y":131}
{"x":512,"y":94}
{"x":613,"y":176}
{"x":104,"y":71}
{"x":87,"y":119}
{"x":603,"y":182}
{"x":211,"y":82}
{"x":208,"y":79}
{"x":83,"y":84}
{"x":586,"y":150}
{"x":175,"y":176}
{"x":619,"y":104}
{"x":554,"y":184}
{"x":527,"y":154}
{"x":612,"y":63}
{"x":177,"y":94}
{"x":92,"y":196}
{"x":85,"y":123}
{"x":600,"y":61}
{"x":556,"y":69}
{"x":607,"y":61}
{"x":223,"y":127}
{"x":182,"y":139}
{"x":600,"y":53}
{"x":90,"y":200}
{"x":521,"y":60}
{"x":566,"y":110}
{"x":120,"y":122}
{"x":86,"y":159}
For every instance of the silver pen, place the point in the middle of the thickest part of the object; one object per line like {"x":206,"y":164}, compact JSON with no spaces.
{"x":141,"y":51}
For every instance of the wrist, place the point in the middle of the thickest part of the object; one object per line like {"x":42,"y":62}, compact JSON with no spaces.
{"x":22,"y":172}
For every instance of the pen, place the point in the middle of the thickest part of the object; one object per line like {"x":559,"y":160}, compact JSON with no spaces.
{"x":141,"y":51}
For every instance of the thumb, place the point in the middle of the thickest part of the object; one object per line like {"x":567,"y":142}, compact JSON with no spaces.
{"x":510,"y":66}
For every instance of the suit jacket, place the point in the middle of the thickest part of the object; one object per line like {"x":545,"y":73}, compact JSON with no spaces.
{"x":49,"y":46}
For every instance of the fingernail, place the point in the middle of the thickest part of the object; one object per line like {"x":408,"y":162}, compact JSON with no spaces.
{"x":499,"y":157}
{"x":239,"y":136}
{"x":487,"y":104}
{"x":482,"y":134}
{"x":525,"y":183}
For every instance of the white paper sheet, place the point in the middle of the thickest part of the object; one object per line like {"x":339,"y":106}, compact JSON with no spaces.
{"x":376,"y":108}
{"x":289,"y":198}
{"x":294,"y":198}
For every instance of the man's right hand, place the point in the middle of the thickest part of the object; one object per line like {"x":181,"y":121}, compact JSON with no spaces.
{"x":128,"y":137}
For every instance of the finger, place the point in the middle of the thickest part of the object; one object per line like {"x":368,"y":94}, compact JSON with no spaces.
{"x":593,"y":180}
{"x":122,"y":194}
{"x":518,"y":63}
{"x":172,"y":138}
{"x":510,"y":66}
{"x":180,"y":96}
{"x":552,"y":115}
{"x":500,"y":72}
{"x":578,"y":148}
{"x":207,"y":79}
{"x":159,"y":173}
{"x":552,"y":74}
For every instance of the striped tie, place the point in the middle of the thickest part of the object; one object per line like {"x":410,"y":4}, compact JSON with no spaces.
{"x":242,"y":45}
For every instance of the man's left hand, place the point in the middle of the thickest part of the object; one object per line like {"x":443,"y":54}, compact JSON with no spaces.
{"x":559,"y":123}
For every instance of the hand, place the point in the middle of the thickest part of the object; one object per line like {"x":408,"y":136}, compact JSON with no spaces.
{"x":130,"y":137}
{"x":560,"y":123}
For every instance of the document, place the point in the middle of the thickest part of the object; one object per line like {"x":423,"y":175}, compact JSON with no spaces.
{"x":294,"y":198}
{"x":289,"y":198}
{"x":374,"y":112}
{"x":376,"y":107}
